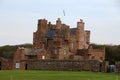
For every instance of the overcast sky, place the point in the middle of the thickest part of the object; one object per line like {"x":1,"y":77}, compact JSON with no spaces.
{"x":18,"y":18}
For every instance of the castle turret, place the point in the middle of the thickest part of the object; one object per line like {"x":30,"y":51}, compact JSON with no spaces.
{"x":58,"y":24}
{"x":80,"y":25}
{"x":87,"y":35}
{"x":42,"y":25}
{"x":80,"y":35}
{"x":39,"y":36}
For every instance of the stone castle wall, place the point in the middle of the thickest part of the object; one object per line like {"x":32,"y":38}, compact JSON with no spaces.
{"x":97,"y":54}
{"x":5,"y":64}
{"x":79,"y":65}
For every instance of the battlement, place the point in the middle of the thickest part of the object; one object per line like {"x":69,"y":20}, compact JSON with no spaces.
{"x":42,"y":21}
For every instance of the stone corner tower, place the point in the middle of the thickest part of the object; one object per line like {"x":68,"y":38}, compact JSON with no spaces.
{"x":39,"y":37}
{"x":82,"y":36}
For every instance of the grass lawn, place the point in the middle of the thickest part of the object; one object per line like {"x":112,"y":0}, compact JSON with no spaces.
{"x":55,"y":75}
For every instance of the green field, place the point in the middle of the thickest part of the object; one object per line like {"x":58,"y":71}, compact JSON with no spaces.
{"x":55,"y":75}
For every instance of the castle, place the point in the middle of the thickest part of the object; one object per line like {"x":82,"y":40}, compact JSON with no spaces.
{"x":58,"y":42}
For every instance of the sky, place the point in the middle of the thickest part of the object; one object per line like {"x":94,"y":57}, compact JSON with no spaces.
{"x":18,"y":18}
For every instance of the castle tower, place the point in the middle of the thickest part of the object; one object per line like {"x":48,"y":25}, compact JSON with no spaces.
{"x":87,"y":38}
{"x":42,"y":25}
{"x":39,"y":37}
{"x":58,"y":24}
{"x":58,"y":30}
{"x":80,"y":35}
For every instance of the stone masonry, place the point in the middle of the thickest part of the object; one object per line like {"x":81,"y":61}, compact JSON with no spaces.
{"x":5,"y":64}
{"x":58,"y":42}
{"x":62,"y":42}
{"x":79,"y":65}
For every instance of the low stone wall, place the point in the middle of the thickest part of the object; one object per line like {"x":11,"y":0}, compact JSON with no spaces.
{"x":80,"y":65}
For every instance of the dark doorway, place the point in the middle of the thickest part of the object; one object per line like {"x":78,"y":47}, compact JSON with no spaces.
{"x":0,"y":65}
{"x":100,"y":67}
{"x":25,"y":66}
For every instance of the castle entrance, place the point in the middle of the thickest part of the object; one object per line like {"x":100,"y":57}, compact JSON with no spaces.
{"x":0,"y":65}
{"x":100,"y":67}
{"x":25,"y":66}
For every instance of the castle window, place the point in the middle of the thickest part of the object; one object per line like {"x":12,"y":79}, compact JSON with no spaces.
{"x":64,"y":51}
{"x":17,"y":65}
{"x":72,"y":45}
{"x":43,"y":57}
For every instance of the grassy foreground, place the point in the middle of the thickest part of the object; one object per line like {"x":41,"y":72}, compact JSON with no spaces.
{"x":55,"y":75}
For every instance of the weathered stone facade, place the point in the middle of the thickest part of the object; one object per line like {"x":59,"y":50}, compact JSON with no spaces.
{"x":58,"y":44}
{"x":5,"y":64}
{"x":62,"y":42}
